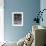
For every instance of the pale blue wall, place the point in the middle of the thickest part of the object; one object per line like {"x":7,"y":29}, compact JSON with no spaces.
{"x":28,"y":7}
{"x":43,"y":6}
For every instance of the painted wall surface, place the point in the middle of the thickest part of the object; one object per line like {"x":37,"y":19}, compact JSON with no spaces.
{"x":28,"y":7}
{"x":1,"y":20}
{"x":43,"y":6}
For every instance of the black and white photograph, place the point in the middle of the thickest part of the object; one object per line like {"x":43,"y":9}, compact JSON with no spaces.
{"x":17,"y":18}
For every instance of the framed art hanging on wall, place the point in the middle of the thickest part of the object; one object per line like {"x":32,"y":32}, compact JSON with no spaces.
{"x":17,"y":18}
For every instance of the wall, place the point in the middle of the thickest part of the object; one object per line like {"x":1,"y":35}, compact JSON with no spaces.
{"x":43,"y":6}
{"x":1,"y":20}
{"x":28,"y":7}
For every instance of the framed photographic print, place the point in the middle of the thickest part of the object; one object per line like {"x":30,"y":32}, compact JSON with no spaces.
{"x":17,"y":18}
